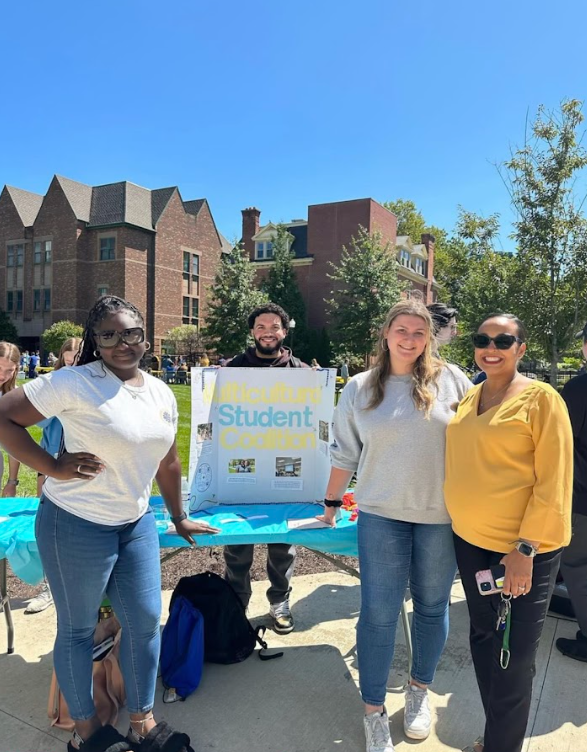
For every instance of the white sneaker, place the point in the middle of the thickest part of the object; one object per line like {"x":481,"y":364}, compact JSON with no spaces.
{"x":283,"y":622}
{"x":41,"y":601}
{"x":417,"y":718}
{"x":377,"y":732}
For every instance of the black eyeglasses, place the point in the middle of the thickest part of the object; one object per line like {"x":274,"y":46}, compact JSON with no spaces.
{"x":133,"y":336}
{"x":502,"y":341}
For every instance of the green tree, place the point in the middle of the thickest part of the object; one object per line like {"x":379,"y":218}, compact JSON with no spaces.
{"x":366,"y":286}
{"x":409,"y":219}
{"x":8,"y":332}
{"x":186,"y":340}
{"x":232,"y":297}
{"x":281,"y":287}
{"x":550,"y":229}
{"x":57,"y":333}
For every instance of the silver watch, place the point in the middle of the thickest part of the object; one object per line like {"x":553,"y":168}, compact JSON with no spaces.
{"x":526,"y":549}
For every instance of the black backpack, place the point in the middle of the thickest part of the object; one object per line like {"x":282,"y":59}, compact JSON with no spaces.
{"x":229,"y":637}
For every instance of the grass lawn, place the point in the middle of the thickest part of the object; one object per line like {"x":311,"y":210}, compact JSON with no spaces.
{"x":28,"y":477}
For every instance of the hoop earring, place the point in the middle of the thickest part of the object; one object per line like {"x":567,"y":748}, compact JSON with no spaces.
{"x":147,"y":346}
{"x":385,"y":345}
{"x":97,"y":354}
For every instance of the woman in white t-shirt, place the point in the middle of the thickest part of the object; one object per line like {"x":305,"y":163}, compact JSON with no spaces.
{"x":95,"y":532}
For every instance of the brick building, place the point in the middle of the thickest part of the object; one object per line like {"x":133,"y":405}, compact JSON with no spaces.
{"x":61,"y":251}
{"x":319,"y":240}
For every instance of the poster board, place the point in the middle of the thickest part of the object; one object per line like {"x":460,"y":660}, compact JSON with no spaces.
{"x":260,"y":435}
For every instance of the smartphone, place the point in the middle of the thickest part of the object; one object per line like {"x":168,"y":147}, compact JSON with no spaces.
{"x":490,"y":581}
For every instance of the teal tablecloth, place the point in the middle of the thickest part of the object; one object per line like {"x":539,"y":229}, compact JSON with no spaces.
{"x":18,"y":544}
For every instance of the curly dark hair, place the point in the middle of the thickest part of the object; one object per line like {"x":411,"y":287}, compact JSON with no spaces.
{"x":269,"y":308}
{"x":441,"y":315}
{"x":103,"y":307}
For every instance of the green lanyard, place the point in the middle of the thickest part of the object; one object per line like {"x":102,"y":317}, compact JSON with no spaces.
{"x":505,"y":618}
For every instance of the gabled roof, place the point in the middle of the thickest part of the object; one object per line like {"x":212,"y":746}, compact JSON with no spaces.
{"x":79,"y":196}
{"x":27,"y":204}
{"x":121,"y":203}
{"x":193,"y":207}
{"x":159,"y":200}
{"x":227,"y":246}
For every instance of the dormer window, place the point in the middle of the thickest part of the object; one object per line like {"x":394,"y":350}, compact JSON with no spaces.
{"x":269,"y":249}
{"x":260,"y":251}
{"x":419,"y":266}
{"x":404,"y":258}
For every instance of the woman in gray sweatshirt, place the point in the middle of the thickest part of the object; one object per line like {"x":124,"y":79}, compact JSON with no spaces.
{"x":389,"y":428}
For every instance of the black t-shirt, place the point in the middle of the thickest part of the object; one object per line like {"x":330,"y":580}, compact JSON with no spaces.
{"x":575,"y":395}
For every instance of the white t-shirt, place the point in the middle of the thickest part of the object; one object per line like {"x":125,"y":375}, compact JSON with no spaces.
{"x":131,"y":429}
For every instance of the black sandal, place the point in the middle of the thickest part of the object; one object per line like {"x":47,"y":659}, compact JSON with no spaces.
{"x":105,"y":739}
{"x":162,"y":738}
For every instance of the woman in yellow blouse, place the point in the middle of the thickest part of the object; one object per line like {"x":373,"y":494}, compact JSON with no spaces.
{"x":509,"y":467}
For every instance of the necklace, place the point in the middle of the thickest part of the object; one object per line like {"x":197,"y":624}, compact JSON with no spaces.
{"x":131,"y":389}
{"x":483,"y":402}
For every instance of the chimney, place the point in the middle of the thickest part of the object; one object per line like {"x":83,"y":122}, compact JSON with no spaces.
{"x":250,"y":229}
{"x":429,"y":241}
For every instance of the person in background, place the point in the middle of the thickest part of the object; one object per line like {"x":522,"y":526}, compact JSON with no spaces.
{"x":314,"y":363}
{"x":508,"y":488}
{"x":204,"y":361}
{"x":389,"y":427}
{"x":445,"y":322}
{"x":10,"y":360}
{"x":51,"y":443}
{"x":344,"y":372}
{"x":33,"y":363}
{"x":95,"y":531}
{"x":269,"y":325}
{"x":574,"y":558}
{"x":51,"y":360}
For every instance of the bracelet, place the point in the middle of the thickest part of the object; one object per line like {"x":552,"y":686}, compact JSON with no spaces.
{"x":14,"y":481}
{"x":332,"y":502}
{"x":183,"y":516}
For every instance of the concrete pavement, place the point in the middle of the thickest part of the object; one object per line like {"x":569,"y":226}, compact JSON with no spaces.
{"x":308,"y":700}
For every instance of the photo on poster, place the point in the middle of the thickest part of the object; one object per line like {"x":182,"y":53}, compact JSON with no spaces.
{"x":323,"y":430}
{"x":241,"y":466}
{"x":288,"y":467}
{"x":204,"y":432}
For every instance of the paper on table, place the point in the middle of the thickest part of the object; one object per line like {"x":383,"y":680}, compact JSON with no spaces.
{"x":306,"y":523}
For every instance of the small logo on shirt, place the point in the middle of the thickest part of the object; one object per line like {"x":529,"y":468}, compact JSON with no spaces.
{"x":166,"y":415}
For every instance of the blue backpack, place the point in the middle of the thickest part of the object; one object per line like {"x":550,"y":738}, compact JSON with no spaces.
{"x":182,"y":650}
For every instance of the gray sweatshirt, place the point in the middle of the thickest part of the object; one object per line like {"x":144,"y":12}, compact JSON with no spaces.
{"x":397,"y":452}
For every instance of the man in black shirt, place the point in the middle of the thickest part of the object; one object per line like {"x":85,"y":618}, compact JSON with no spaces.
{"x":269,"y":325}
{"x":574,"y":559}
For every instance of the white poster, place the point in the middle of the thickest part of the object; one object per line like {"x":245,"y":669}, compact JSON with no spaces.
{"x":260,"y":435}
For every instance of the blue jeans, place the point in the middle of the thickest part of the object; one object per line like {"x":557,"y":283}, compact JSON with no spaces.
{"x":84,"y":561}
{"x":391,"y":554}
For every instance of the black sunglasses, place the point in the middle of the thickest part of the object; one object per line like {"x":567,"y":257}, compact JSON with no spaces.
{"x":133,"y":336}
{"x":502,"y":341}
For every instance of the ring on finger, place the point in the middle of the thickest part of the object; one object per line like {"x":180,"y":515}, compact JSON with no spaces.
{"x":79,"y":469}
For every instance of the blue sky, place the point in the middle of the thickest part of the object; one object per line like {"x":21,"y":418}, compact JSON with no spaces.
{"x":283,"y":104}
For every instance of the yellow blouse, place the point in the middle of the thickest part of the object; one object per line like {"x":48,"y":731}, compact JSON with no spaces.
{"x":509,"y":472}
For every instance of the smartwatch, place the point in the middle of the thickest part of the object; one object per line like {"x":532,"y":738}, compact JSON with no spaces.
{"x":180,"y":518}
{"x":332,"y":502}
{"x":14,"y":482}
{"x":526,"y":549}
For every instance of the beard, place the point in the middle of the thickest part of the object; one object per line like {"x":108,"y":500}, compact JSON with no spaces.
{"x":269,"y":350}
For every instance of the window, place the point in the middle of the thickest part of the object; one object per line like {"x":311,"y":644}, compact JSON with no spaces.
{"x":49,"y":251}
{"x":47,"y":299}
{"x":15,"y":255}
{"x":195,"y":266}
{"x":269,"y":250}
{"x":102,"y":290}
{"x":186,"y":265}
{"x":19,"y":301}
{"x":36,"y":300}
{"x":10,"y":301}
{"x":260,"y":250}
{"x":404,"y":258}
{"x":107,"y":247}
{"x":195,"y":311}
{"x":186,"y":311}
{"x":38,"y":252}
{"x":419,"y":266}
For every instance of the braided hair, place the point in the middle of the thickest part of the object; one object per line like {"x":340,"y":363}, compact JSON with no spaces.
{"x":103,"y":307}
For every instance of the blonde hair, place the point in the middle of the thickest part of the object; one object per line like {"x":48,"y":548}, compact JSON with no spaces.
{"x":427,"y":367}
{"x":71,"y":344}
{"x":10,"y":351}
